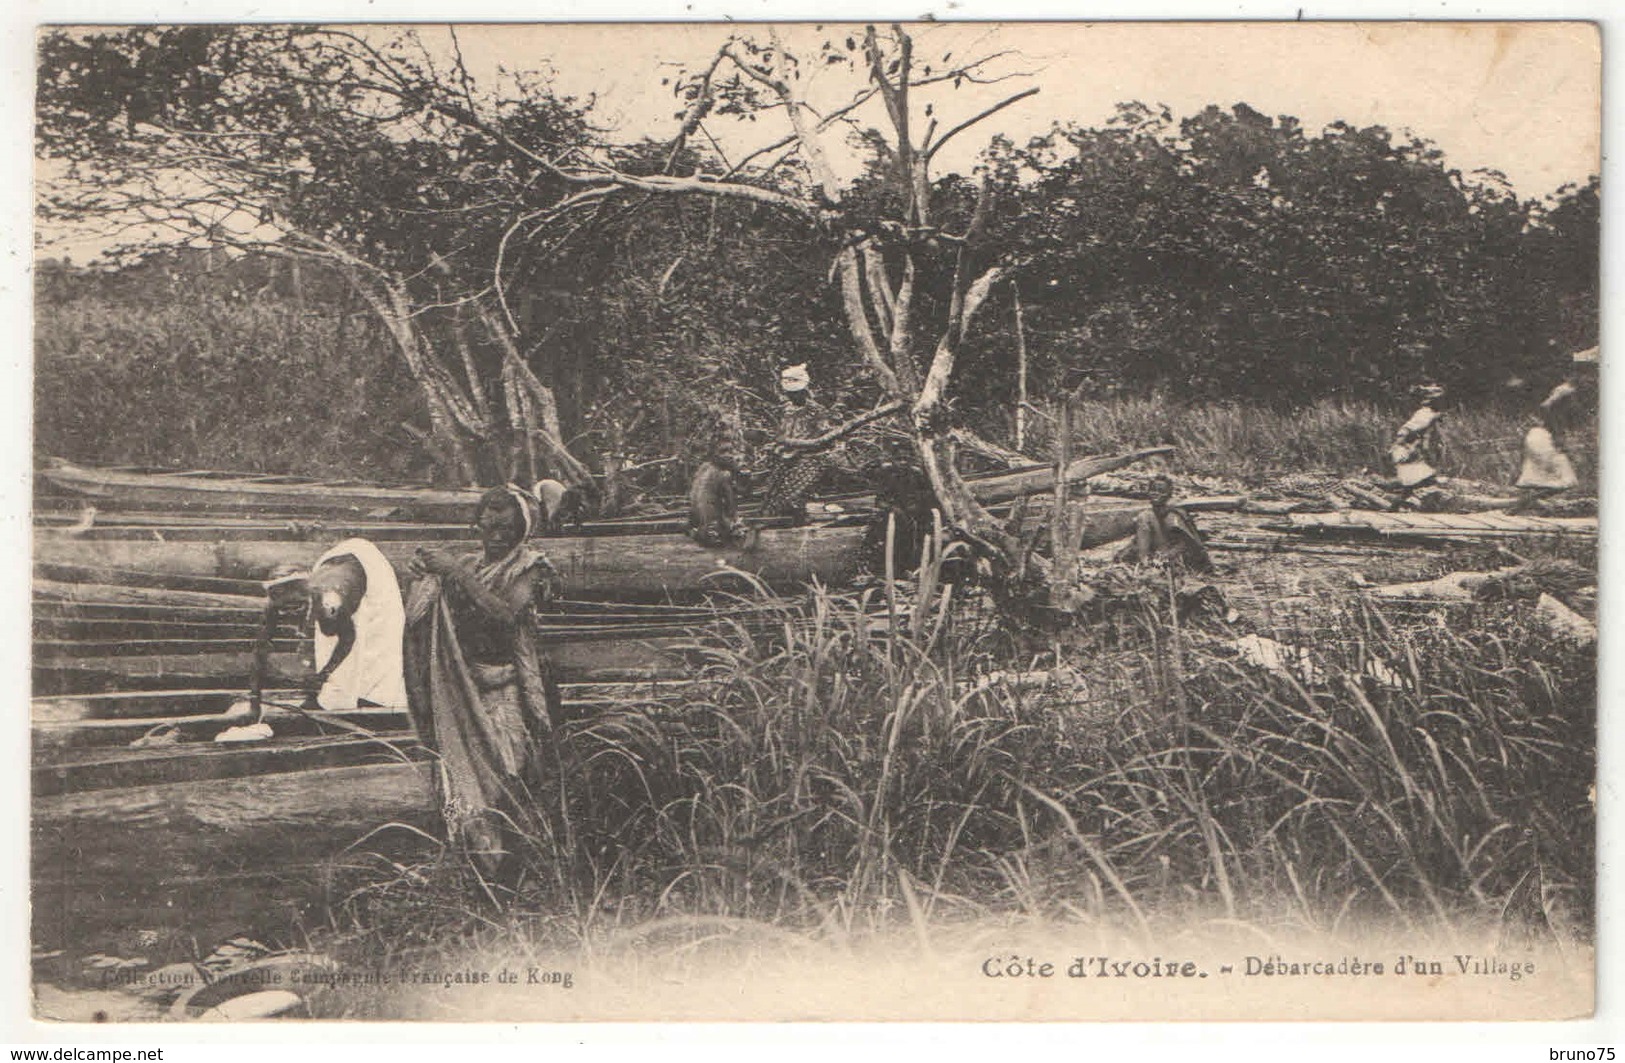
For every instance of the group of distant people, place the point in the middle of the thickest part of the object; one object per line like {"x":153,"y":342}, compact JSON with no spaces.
{"x":1545,"y":469}
{"x":795,"y":470}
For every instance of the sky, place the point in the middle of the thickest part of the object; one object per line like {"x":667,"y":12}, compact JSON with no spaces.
{"x":1522,"y":98}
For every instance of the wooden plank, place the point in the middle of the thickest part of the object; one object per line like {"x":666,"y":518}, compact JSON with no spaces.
{"x":578,"y":661}
{"x":270,"y":531}
{"x":143,"y":704}
{"x":1438,"y":525}
{"x":149,"y":705}
{"x":163,"y":488}
{"x":55,"y":609}
{"x":56,"y":738}
{"x":94,"y":567}
{"x":82,"y":675}
{"x":125,"y":768}
{"x":70,"y":649}
{"x":228,"y":508}
{"x":59,"y":627}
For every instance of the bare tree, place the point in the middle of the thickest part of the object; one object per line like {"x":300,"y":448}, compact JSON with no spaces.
{"x":427,"y":194}
{"x":321,"y":144}
{"x":876,"y":267}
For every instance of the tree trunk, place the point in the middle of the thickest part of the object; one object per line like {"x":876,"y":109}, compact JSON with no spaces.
{"x":451,"y":453}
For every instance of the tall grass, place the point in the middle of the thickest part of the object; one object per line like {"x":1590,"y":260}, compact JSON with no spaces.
{"x":842,"y":773}
{"x":215,"y":382}
{"x":1252,"y":444}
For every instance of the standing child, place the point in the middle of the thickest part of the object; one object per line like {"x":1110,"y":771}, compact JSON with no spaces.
{"x":1416,"y":445}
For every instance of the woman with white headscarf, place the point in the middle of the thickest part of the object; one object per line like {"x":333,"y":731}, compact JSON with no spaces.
{"x":1416,"y":445}
{"x":359,"y":621}
{"x":792,"y":476}
{"x":480,"y":690}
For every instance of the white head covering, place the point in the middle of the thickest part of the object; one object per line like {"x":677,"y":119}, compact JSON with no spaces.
{"x":373,"y":671}
{"x":794,"y":377}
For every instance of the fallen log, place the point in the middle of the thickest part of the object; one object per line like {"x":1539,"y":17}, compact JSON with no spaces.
{"x":633,"y":568}
{"x":1565,"y":623}
{"x":1006,"y":487}
{"x":1455,"y":587}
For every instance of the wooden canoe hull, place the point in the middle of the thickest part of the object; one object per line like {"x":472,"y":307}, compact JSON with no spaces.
{"x":610,"y":660}
{"x":205,"y":859}
{"x":633,"y":567}
{"x":248,"y":492}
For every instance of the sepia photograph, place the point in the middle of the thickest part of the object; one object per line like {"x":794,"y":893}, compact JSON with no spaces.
{"x":778,"y":521}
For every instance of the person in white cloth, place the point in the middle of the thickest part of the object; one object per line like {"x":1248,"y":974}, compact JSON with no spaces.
{"x":1416,"y":445}
{"x":1546,"y":469}
{"x":360,"y":621}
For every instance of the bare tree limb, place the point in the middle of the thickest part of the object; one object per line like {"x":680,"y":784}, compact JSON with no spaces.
{"x":835,"y":435}
{"x":932,"y":149}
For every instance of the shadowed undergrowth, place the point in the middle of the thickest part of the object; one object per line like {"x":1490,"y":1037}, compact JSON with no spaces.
{"x":840,"y":776}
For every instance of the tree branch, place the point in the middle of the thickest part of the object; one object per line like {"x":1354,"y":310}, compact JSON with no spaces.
{"x":835,"y":435}
{"x":932,"y":149}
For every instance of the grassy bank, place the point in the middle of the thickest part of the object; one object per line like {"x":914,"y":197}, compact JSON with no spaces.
{"x":118,"y":383}
{"x":843,"y":779}
{"x":1253,"y":444}
{"x":211,"y":382}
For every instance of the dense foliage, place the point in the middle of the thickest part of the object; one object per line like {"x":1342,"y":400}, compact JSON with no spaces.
{"x":1225,"y":255}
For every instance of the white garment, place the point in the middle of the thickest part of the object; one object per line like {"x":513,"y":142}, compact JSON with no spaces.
{"x":1410,"y":466}
{"x":373,"y":671}
{"x":1544,"y":465}
{"x":550,"y":493}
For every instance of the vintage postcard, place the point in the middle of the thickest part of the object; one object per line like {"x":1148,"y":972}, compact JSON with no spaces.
{"x":790,"y":521}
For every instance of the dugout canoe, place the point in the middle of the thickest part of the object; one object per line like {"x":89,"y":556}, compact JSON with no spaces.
{"x":630,"y":568}
{"x":215,"y":490}
{"x":218,"y":491}
{"x":60,"y":671}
